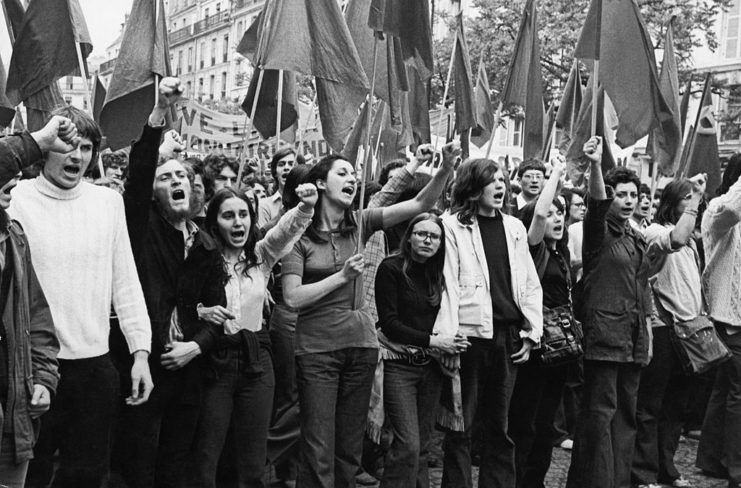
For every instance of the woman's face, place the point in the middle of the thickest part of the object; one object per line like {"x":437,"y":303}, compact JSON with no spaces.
{"x":425,"y":240}
{"x":577,"y":209}
{"x":554,"y":224}
{"x":233,"y":222}
{"x":341,"y":185}
{"x":626,"y":199}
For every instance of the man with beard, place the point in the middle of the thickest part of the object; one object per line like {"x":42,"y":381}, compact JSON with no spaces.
{"x":157,"y":438}
{"x":531,"y":175}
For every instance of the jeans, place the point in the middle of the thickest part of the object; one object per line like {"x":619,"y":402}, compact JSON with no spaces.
{"x":567,"y":413}
{"x":487,"y":381}
{"x":662,"y":399}
{"x":606,"y":432}
{"x":410,"y":397}
{"x":537,"y":394}
{"x":334,"y":392}
{"x":12,"y":474}
{"x":156,"y":438}
{"x":79,"y":424}
{"x":240,"y":402}
{"x":284,"y":430}
{"x":719,"y":451}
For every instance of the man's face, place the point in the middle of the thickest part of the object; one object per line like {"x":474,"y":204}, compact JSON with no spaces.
{"x":532,"y":182}
{"x":225,"y":178}
{"x":5,"y":191}
{"x":283,"y":167}
{"x":643,"y":209}
{"x":65,"y":170}
{"x":115,"y":171}
{"x":172,"y":189}
{"x":198,"y":198}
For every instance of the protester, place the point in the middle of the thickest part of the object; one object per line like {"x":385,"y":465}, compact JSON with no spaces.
{"x":677,"y":296}
{"x":719,"y":451}
{"x":199,"y":193}
{"x":492,"y":296}
{"x":336,"y":345}
{"x":538,"y":389}
{"x":531,"y":175}
{"x":281,"y":164}
{"x":222,"y":294}
{"x":81,"y":252}
{"x":221,"y":170}
{"x":641,"y":217}
{"x":408,"y":290}
{"x":614,"y":307}
{"x":28,"y":344}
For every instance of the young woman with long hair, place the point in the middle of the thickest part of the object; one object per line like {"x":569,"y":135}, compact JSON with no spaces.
{"x":409,"y":285}
{"x":222,"y":294}
{"x":336,"y":344}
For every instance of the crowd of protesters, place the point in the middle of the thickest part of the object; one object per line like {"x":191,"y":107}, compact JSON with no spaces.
{"x":168,"y":324}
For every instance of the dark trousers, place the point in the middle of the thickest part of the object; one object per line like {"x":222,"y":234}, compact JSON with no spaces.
{"x":285,"y":427}
{"x":410,"y":398}
{"x":719,"y":451}
{"x":567,"y":413}
{"x":605,"y":434}
{"x":536,"y":397}
{"x":662,"y":399}
{"x":12,"y":474}
{"x":241,"y":403}
{"x":79,"y":425}
{"x":156,"y":438}
{"x":487,"y":381}
{"x":334,"y":392}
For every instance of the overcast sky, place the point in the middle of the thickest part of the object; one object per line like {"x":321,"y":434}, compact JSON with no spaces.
{"x":104,"y":20}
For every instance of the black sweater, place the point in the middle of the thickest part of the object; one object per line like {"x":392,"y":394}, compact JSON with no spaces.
{"x":404,"y":314}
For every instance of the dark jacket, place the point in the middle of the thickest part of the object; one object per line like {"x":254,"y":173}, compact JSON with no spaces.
{"x":614,"y":298}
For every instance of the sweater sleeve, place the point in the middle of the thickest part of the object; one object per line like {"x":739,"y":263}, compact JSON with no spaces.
{"x":389,"y":283}
{"x":280,"y":239}
{"x":391,"y":191}
{"x":723,"y":212}
{"x":128,"y":298}
{"x":19,"y":151}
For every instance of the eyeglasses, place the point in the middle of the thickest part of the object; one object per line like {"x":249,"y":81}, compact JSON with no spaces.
{"x":427,"y":235}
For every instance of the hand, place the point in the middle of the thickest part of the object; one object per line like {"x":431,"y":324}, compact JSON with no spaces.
{"x":558,"y":165}
{"x":179,"y":354}
{"x":171,"y":143}
{"x":699,"y":183}
{"x":308,"y":194}
{"x":593,"y":149}
{"x":449,"y":344}
{"x":521,"y":356}
{"x":170,"y":92}
{"x":58,"y":135}
{"x":450,"y":362}
{"x":353,"y":267}
{"x":424,"y":153}
{"x":216,"y":315}
{"x":141,"y":380}
{"x":40,"y":402}
{"x":451,"y":153}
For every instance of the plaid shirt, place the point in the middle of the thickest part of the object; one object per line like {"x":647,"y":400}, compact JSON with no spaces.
{"x":376,"y":248}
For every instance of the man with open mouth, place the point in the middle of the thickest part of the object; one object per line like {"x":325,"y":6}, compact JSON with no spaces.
{"x":531,"y":174}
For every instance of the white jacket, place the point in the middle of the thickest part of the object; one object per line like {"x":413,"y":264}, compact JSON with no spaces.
{"x":466,"y":306}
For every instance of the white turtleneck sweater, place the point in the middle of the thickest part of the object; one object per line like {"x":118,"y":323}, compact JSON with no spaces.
{"x":82,"y":255}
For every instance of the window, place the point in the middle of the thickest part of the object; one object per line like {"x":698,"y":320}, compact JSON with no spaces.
{"x":68,"y":100}
{"x":211,"y":86}
{"x":223,"y":84}
{"x":225,"y":53}
{"x":213,"y":51}
{"x":179,"y":69}
{"x":200,"y":89}
{"x":202,"y":54}
{"x":517,"y":132}
{"x":240,"y":29}
{"x":70,"y":83}
{"x":190,"y":59}
{"x":731,"y":42}
{"x":188,"y":88}
{"x":84,"y":103}
{"x":218,"y":8}
{"x":205,"y":14}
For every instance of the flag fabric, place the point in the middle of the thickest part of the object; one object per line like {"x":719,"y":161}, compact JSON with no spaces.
{"x":576,"y":162}
{"x":359,"y":133}
{"x":484,"y":109}
{"x":143,"y":56}
{"x":14,"y":17}
{"x":702,"y":156}
{"x":568,"y":109}
{"x":17,"y":123}
{"x":465,"y":102}
{"x":44,"y":48}
{"x":684,"y":104}
{"x":312,"y":38}
{"x":524,"y":85}
{"x":97,"y":98}
{"x":667,"y":153}
{"x":7,"y":109}
{"x":549,"y":123}
{"x":614,"y":33}
{"x":266,"y":113}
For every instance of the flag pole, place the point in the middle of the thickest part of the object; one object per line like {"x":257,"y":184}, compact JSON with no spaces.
{"x":156,"y":77}
{"x":86,"y":87}
{"x":497,"y":118}
{"x":445,"y":92}
{"x":248,"y":129}
{"x":302,"y":132}
{"x":279,"y":110}
{"x":595,"y":94}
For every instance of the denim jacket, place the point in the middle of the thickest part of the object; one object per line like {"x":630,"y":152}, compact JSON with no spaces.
{"x":466,"y":301}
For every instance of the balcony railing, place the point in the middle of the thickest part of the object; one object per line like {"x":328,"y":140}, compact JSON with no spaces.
{"x":108,"y":65}
{"x":210,"y":22}
{"x":179,"y":35}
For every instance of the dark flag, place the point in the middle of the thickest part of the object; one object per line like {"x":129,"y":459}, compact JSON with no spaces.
{"x":524,"y":85}
{"x":667,"y":153}
{"x":549,"y":123}
{"x":684,"y":104}
{"x":97,"y":98}
{"x":312,"y":37}
{"x":7,"y":109}
{"x":359,"y":132}
{"x":702,"y":156}
{"x":266,"y":113}
{"x":577,"y":163}
{"x":484,"y":109}
{"x":465,"y":102}
{"x":44,"y":48}
{"x":568,"y":109}
{"x":615,"y":34}
{"x":144,"y":55}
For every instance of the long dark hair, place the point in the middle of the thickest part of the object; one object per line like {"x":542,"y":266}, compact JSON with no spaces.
{"x":673,"y":193}
{"x":528,"y":213}
{"x":212,"y":214}
{"x":295,"y":177}
{"x":433,"y":267}
{"x":473,"y":176}
{"x":730,"y":175}
{"x":319,"y":172}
